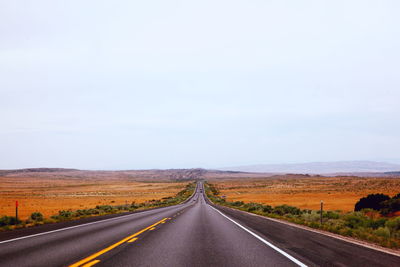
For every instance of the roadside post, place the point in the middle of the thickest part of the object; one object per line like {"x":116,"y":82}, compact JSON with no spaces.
{"x":322,"y":209}
{"x":16,"y":212}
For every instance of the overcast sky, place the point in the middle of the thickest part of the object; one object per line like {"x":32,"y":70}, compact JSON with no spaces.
{"x":170,"y":84}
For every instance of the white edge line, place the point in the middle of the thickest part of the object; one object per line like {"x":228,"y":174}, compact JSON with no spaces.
{"x":80,"y":225}
{"x":263,"y":240}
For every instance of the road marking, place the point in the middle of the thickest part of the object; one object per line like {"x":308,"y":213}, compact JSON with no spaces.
{"x":264,"y":241}
{"x":91,"y":263}
{"x":80,"y":225}
{"x":152,"y":228}
{"x":95,"y":255}
{"x":133,"y":240}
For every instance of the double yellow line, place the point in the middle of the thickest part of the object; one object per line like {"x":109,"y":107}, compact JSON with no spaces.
{"x":90,"y":261}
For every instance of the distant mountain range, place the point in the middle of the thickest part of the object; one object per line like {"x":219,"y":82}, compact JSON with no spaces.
{"x":321,"y":167}
{"x":145,"y":175}
{"x":346,"y":168}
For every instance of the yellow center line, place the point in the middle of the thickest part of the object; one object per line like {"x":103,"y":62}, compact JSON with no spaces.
{"x":95,"y":255}
{"x":151,"y":229}
{"x":133,"y":240}
{"x":91,"y":263}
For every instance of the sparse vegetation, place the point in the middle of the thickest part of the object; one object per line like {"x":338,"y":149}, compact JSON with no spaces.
{"x":306,"y":192}
{"x":367,"y":224}
{"x":48,"y":195}
{"x":9,"y":222}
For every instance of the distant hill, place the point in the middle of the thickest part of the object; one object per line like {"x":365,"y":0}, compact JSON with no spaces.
{"x":144,"y":175}
{"x":393,"y":173}
{"x":35,"y":170}
{"x":321,"y":167}
{"x":343,"y":168}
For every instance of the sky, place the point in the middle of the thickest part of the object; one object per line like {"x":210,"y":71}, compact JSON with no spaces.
{"x":182,"y":84}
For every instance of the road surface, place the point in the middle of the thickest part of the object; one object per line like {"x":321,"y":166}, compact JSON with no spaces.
{"x":191,"y":234}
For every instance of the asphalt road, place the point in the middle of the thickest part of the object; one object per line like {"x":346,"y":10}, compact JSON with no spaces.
{"x":189,"y":234}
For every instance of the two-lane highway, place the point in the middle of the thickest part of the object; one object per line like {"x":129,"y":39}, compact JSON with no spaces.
{"x":198,"y":236}
{"x":191,"y":234}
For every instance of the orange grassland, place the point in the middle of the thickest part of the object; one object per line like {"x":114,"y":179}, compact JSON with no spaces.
{"x":337,"y":193}
{"x":49,"y":195}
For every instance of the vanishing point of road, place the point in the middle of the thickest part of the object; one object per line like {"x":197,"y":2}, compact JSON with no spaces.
{"x":195,"y":233}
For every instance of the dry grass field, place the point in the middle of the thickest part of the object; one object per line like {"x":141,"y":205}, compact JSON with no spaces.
{"x":49,"y":195}
{"x":338,"y":193}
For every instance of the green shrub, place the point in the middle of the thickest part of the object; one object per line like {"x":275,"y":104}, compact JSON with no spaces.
{"x":63,"y":214}
{"x":286,"y":209}
{"x":253,"y":206}
{"x":331,"y":215}
{"x":383,"y":232}
{"x":7,"y":220}
{"x":237,"y":203}
{"x":36,"y":216}
{"x":355,"y":220}
{"x":348,"y":232}
{"x":93,"y":211}
{"x":313,"y":216}
{"x":375,"y":224}
{"x":393,"y":225}
{"x":105,"y":208}
{"x":267,"y":209}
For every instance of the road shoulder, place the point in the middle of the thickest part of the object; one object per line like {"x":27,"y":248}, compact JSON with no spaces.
{"x":325,"y":233}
